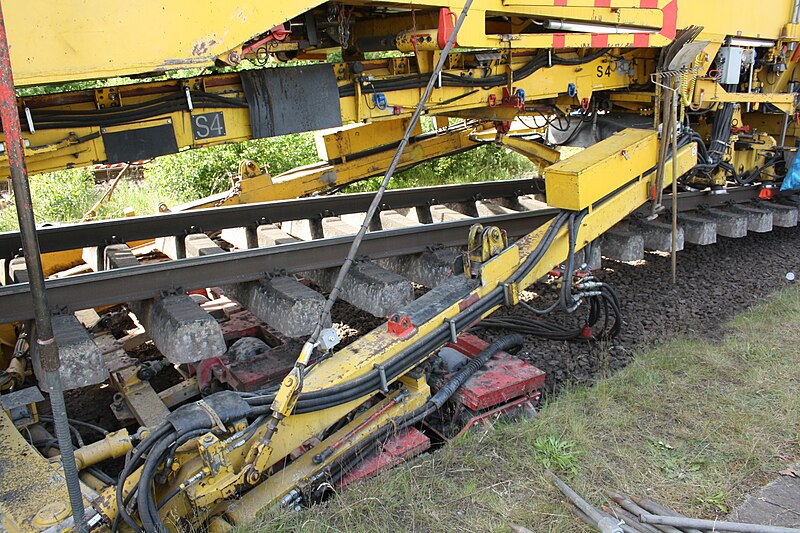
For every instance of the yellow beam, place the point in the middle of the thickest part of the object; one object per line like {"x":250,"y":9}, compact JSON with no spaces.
{"x":710,"y":91}
{"x":78,"y":40}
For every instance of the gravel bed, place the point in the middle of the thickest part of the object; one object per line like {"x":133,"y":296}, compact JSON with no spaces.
{"x":714,"y":283}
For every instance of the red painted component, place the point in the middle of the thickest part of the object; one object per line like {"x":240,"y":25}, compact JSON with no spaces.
{"x":466,"y":302}
{"x":559,"y":40}
{"x":525,"y":403}
{"x":641,"y":40}
{"x":599,"y":40}
{"x":254,"y":372}
{"x":586,"y":332}
{"x":585,"y":104}
{"x":670,"y":27}
{"x":278,"y":33}
{"x":503,"y":378}
{"x":447,"y":24}
{"x":492,"y":100}
{"x":767,"y":193}
{"x":741,"y":129}
{"x":408,"y":443}
{"x":400,"y":326}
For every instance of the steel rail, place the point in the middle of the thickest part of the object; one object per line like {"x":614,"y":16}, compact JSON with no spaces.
{"x":149,"y":281}
{"x":101,"y":233}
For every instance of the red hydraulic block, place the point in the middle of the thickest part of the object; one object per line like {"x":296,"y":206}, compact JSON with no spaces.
{"x":410,"y":442}
{"x":503,"y":378}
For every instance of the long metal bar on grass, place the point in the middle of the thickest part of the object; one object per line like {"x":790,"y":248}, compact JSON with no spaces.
{"x":604,"y":523}
{"x":626,"y":503}
{"x":714,"y":525}
{"x":45,"y":341}
{"x":629,"y":518}
{"x":656,"y":508}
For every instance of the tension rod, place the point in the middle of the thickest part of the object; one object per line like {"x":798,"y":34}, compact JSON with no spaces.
{"x":45,"y":342}
{"x":351,"y":255}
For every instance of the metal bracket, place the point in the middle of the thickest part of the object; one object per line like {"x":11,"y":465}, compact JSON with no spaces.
{"x":453,"y":330}
{"x":382,"y":373}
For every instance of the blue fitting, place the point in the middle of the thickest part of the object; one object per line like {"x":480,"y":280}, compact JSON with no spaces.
{"x":572,"y":90}
{"x":379,"y":99}
{"x":521,"y":94}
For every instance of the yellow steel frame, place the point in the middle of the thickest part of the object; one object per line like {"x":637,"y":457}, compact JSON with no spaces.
{"x":54,"y":149}
{"x":379,"y":345}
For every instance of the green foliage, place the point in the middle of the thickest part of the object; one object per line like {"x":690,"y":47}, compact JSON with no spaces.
{"x":715,"y":502}
{"x":485,"y":163}
{"x":556,"y":454}
{"x":192,"y":174}
{"x":62,"y":196}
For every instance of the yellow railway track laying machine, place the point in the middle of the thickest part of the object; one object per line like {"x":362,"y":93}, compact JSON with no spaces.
{"x":622,"y":78}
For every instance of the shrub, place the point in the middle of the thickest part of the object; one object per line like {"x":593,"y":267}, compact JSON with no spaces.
{"x":192,"y":174}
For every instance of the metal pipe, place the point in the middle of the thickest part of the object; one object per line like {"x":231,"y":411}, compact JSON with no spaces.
{"x":674,"y":129}
{"x":585,"y":27}
{"x":48,"y":350}
{"x":602,"y":522}
{"x":629,"y":518}
{"x":656,"y":508}
{"x":784,"y":129}
{"x":626,"y":503}
{"x":714,"y":525}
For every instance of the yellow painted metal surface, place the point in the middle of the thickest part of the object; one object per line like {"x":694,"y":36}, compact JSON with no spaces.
{"x":33,"y":493}
{"x":312,"y":178}
{"x":79,"y":39}
{"x":708,"y":91}
{"x":588,"y":176}
{"x":74,"y":39}
{"x":360,"y":137}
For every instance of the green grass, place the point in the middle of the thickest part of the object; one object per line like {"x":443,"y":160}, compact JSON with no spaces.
{"x":691,"y":424}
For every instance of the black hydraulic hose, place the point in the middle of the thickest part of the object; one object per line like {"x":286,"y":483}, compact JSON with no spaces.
{"x":148,"y":514}
{"x":415,"y":81}
{"x":470,"y":368}
{"x":128,"y":469}
{"x":370,"y":382}
{"x":351,"y":459}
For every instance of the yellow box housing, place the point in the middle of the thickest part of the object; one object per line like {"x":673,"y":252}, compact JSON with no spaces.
{"x":583,"y":179}
{"x":360,"y":137}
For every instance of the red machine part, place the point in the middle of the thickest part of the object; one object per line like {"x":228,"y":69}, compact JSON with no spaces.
{"x":447,"y":24}
{"x":251,"y":373}
{"x":503,"y":378}
{"x":278,"y":33}
{"x":410,"y":442}
{"x":400,"y":326}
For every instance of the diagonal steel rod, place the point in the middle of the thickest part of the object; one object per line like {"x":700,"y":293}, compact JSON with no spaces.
{"x":384,"y":183}
{"x":47,"y":349}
